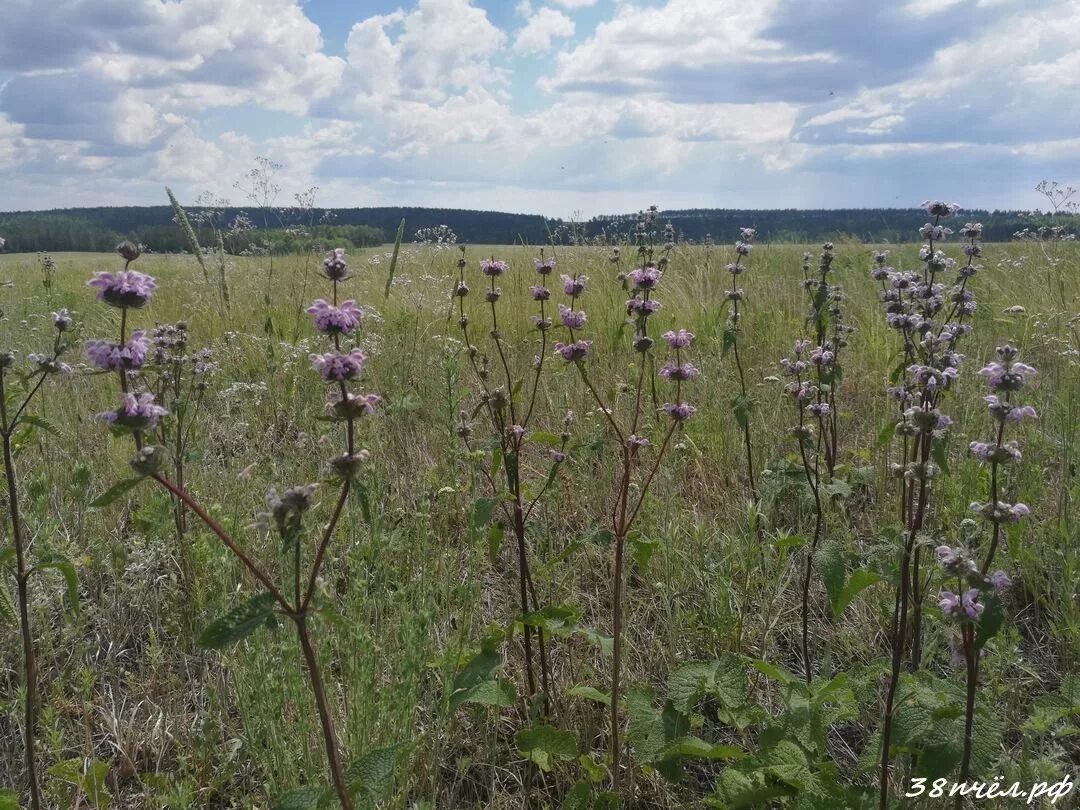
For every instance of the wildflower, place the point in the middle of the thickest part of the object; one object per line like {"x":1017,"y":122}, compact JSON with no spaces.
{"x":557,"y":456}
{"x":642,"y":307}
{"x":999,"y":454}
{"x":678,"y":340}
{"x":127,"y":288}
{"x":574,"y":285}
{"x":148,"y":460}
{"x":334,"y":367}
{"x":937,"y":208}
{"x":347,"y":465}
{"x":573,"y":352}
{"x":539,"y":292}
{"x":1007,"y":412}
{"x":955,"y":561}
{"x":743,"y":248}
{"x":633,"y":441}
{"x":680,"y":411}
{"x":136,"y":412}
{"x":571,"y":319}
{"x":109,"y":356}
{"x":493,"y":267}
{"x":999,"y":581}
{"x":332,"y":319}
{"x":353,"y":406}
{"x":129,"y":251}
{"x":334,"y":267}
{"x":644,"y":278}
{"x":493,"y":295}
{"x":965,"y":606}
{"x":461,"y":289}
{"x":62,"y":320}
{"x":544,"y":266}
{"x":48,"y":364}
{"x":287,"y":508}
{"x":678,"y":373}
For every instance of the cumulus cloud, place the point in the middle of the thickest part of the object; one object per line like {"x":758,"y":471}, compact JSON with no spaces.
{"x":692,"y":102}
{"x":541,"y":29}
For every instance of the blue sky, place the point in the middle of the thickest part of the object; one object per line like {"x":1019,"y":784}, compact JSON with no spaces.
{"x":550,"y":106}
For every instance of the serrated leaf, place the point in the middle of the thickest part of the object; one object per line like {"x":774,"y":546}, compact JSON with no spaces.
{"x":66,"y":568}
{"x":606,"y":644}
{"x":859,"y":581}
{"x":829,"y":564}
{"x":478,"y":670}
{"x":372,"y":776}
{"x":541,"y":743}
{"x":740,"y":407}
{"x":238,"y":623}
{"x":990,"y":622}
{"x":116,"y":491}
{"x":642,"y":550}
{"x":579,"y":797}
{"x":787,"y":762}
{"x":496,"y":692}
{"x":479,"y":515}
{"x":697,"y":748}
{"x":885,"y":435}
{"x":8,"y":617}
{"x":495,"y":536}
{"x":589,"y":693}
{"x":542,"y":437}
{"x":88,"y":777}
{"x":307,"y":797}
{"x":42,"y":423}
{"x":939,"y":451}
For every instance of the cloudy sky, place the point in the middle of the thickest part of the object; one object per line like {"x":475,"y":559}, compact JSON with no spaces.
{"x":550,"y":106}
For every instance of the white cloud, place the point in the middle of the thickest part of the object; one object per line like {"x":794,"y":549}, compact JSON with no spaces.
{"x":574,"y":4}
{"x":542,"y":28}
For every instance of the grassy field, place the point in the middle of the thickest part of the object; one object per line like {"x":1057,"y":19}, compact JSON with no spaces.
{"x":411,"y":587}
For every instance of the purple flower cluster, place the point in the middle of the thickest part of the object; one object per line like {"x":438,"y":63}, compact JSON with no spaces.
{"x":109,"y":356}
{"x":126,"y":288}
{"x":335,"y":320}
{"x":136,"y":412}
{"x":338,"y":367}
{"x":493,"y":267}
{"x":334,"y":267}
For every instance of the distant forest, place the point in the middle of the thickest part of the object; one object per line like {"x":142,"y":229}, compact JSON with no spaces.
{"x":289,"y":230}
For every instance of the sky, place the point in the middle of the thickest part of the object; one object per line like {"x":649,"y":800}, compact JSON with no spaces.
{"x":560,"y":107}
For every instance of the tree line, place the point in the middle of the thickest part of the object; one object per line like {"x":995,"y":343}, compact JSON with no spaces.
{"x":292,"y":230}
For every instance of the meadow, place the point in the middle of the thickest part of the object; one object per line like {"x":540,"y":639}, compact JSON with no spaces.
{"x":419,"y":626}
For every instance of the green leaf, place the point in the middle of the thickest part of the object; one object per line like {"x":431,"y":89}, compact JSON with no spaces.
{"x":774,"y":672}
{"x":787,"y":762}
{"x":9,"y":800}
{"x":939,"y":451}
{"x":740,"y":406}
{"x":728,"y":342}
{"x":579,"y":797}
{"x":642,"y":550}
{"x":58,"y":562}
{"x":114,"y":492}
{"x":990,"y":622}
{"x":541,"y":743}
{"x":496,"y":692}
{"x":589,"y":693}
{"x":477,"y":672}
{"x":829,"y":563}
{"x":859,"y":581}
{"x":394,"y":258}
{"x":88,"y":777}
{"x":40,"y":422}
{"x":495,"y":539}
{"x":724,"y":679}
{"x":372,"y":776}
{"x":307,"y":797}
{"x":886,"y":434}
{"x":550,"y":439}
{"x":8,"y":617}
{"x":238,"y":623}
{"x":606,"y":644}
{"x":479,"y":515}
{"x":696,"y":748}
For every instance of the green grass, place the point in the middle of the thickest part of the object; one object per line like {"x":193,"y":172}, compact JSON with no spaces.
{"x":408,"y":597}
